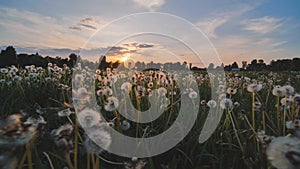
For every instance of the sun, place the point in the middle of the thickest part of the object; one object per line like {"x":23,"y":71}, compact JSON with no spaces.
{"x":125,"y":58}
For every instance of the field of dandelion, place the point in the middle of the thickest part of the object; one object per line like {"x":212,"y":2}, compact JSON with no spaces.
{"x":40,"y":111}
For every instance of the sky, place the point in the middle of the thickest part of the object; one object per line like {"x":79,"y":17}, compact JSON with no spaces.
{"x":237,"y":30}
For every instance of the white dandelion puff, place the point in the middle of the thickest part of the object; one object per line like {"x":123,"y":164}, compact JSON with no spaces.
{"x":289,"y":90}
{"x":126,"y":87}
{"x":279,"y":91}
{"x":226,"y":103}
{"x":65,"y":113}
{"x":279,"y":150}
{"x":111,"y":104}
{"x":89,"y":118}
{"x":231,"y":90}
{"x":162,"y":91}
{"x":254,"y":87}
{"x":98,"y":140}
{"x":125,"y":125}
{"x":193,"y":95}
{"x":211,"y":104}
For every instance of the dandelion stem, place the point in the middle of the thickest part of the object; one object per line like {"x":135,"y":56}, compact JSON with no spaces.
{"x":28,"y":147}
{"x":97,"y":163}
{"x":284,"y":119}
{"x":88,"y":161}
{"x":27,"y":154}
{"x":293,"y":111}
{"x":67,"y":157}
{"x":93,"y":160}
{"x":236,"y":132}
{"x":23,"y":159}
{"x":118,"y":121}
{"x":297,"y":112}
{"x":263,"y":120}
{"x":76,"y":144}
{"x":247,"y":121}
{"x":49,"y":160}
{"x":278,"y":114}
{"x":253,"y":112}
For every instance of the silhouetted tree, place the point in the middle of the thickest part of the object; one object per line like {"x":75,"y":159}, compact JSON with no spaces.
{"x":8,"y":57}
{"x":234,"y":65}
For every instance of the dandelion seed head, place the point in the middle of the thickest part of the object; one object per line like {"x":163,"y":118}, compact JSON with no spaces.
{"x":111,"y":104}
{"x":162,"y":91}
{"x":64,"y":130}
{"x":126,"y":87}
{"x":231,"y":90}
{"x":193,"y":95}
{"x":296,"y":98}
{"x":3,"y":70}
{"x":98,"y":140}
{"x":257,"y":105}
{"x":278,"y":150}
{"x":279,"y":91}
{"x":289,"y":90}
{"x":222,"y":96}
{"x":254,"y":87}
{"x":35,"y":121}
{"x":211,"y":104}
{"x":226,"y":103}
{"x":125,"y":125}
{"x":89,"y":118}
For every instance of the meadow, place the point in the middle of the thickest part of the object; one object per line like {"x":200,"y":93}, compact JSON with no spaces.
{"x":40,"y":109}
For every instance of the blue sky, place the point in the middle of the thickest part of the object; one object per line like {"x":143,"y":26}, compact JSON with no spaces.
{"x":239,"y":30}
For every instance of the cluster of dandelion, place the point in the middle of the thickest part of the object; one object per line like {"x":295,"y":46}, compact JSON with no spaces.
{"x":259,"y":126}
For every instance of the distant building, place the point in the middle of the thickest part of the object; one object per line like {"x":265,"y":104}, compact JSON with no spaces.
{"x":235,"y":69}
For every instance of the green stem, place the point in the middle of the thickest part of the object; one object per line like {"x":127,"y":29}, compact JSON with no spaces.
{"x":76,"y":143}
{"x":253,"y":112}
{"x":236,"y":132}
{"x":278,"y":115}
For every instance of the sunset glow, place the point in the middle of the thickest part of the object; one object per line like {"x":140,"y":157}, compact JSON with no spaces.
{"x":125,"y":58}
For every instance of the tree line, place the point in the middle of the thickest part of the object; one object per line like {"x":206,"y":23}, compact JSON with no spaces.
{"x":9,"y":57}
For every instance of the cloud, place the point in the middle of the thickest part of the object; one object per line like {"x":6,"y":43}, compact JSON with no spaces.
{"x":24,"y":29}
{"x":89,"y":23}
{"x":150,"y":4}
{"x":88,"y":20}
{"x":139,"y":45}
{"x":75,"y":27}
{"x":146,"y":46}
{"x":279,"y":43}
{"x":117,"y":50}
{"x":262,"y":25}
{"x":209,"y":27}
{"x":212,"y":23}
{"x":88,"y":26}
{"x":129,"y":48}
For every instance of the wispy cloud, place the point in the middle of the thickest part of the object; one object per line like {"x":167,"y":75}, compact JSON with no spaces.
{"x":212,"y":23}
{"x":279,"y":43}
{"x":75,"y":28}
{"x":88,"y":26}
{"x":139,"y":45}
{"x":150,"y":4}
{"x":262,"y":25}
{"x":209,"y":26}
{"x":89,"y":23}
